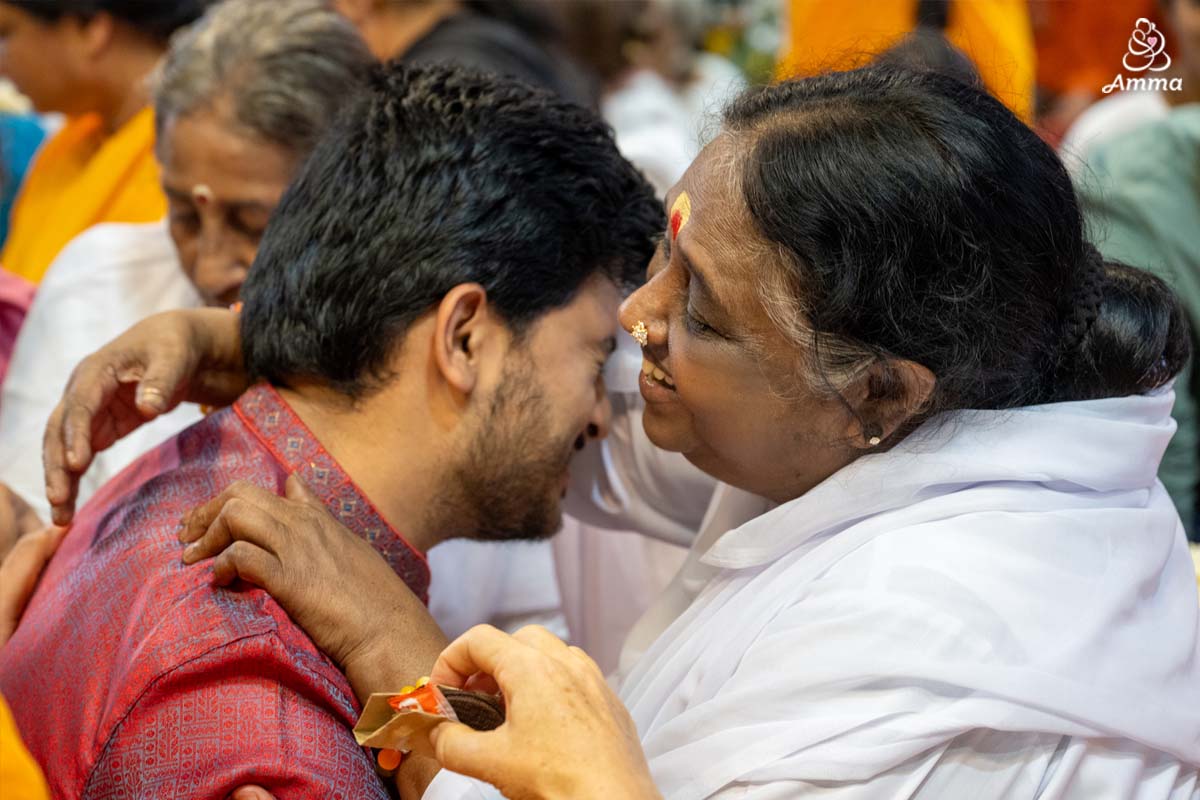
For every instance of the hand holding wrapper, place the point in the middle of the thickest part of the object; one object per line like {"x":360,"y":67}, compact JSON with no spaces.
{"x":403,"y":721}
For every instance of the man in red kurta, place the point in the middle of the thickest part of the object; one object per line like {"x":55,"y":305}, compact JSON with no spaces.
{"x":135,"y":677}
{"x":434,"y":301}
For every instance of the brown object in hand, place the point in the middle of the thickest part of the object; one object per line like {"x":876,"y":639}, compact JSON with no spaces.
{"x":477,"y":710}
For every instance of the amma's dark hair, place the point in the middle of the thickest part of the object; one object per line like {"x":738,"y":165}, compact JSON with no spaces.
{"x":157,"y":19}
{"x":438,"y":176}
{"x":920,"y":219}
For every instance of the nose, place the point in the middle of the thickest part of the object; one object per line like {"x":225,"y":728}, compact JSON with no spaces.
{"x":220,"y":271}
{"x":648,"y":305}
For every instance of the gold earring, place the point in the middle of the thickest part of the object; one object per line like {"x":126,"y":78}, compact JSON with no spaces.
{"x":874,"y":441}
{"x":640,"y":334}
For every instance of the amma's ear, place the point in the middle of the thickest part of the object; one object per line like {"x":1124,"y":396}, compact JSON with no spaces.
{"x":885,"y":397}
{"x":463,"y":324}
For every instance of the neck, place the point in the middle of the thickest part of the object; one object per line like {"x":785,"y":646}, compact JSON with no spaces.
{"x":123,"y":90}
{"x":399,"y":26}
{"x":395,"y":463}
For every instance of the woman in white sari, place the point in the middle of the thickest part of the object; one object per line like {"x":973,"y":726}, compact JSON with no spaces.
{"x":938,"y":562}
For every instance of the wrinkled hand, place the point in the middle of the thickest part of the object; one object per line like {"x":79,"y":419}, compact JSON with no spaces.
{"x":566,"y":735}
{"x":17,"y":518}
{"x":192,"y":355}
{"x":330,"y":581}
{"x":19,"y":574}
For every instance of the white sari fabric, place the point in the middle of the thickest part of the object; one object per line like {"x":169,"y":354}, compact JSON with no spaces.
{"x":1001,"y":607}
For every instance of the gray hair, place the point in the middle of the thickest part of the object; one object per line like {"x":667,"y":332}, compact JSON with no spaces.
{"x":281,"y":68}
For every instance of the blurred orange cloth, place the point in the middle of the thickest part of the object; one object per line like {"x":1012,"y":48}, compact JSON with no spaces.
{"x":1080,"y":43}
{"x":995,"y":34}
{"x":81,"y":178}
{"x":20,"y":777}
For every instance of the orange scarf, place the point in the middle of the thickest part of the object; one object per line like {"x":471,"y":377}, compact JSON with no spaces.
{"x":79,"y":179}
{"x":19,"y":773}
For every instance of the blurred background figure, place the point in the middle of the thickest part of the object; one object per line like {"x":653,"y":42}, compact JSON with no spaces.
{"x":1121,"y":111}
{"x":1079,"y":46}
{"x":1141,"y":195}
{"x":21,"y":134}
{"x":995,"y":35}
{"x":241,"y":99}
{"x":15,"y":297}
{"x":504,"y":36}
{"x":100,"y":166}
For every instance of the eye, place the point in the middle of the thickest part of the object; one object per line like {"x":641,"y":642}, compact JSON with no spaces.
{"x":695,"y":324}
{"x":184,"y":219}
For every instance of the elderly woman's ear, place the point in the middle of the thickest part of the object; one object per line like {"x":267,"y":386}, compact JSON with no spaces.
{"x":888,"y":396}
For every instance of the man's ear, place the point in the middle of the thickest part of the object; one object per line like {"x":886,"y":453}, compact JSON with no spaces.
{"x":463,"y":324}
{"x":890,"y":393}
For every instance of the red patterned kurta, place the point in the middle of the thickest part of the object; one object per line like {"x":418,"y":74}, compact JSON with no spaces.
{"x":132,"y":677}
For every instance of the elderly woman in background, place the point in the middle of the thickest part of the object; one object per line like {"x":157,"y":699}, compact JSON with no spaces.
{"x":240,"y":100}
{"x":873,"y":309}
{"x":89,"y":60}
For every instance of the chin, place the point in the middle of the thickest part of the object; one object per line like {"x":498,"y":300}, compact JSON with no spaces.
{"x":667,"y":431}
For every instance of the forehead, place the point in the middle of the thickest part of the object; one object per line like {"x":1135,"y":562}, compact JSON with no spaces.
{"x":718,"y":223}
{"x":202,"y":148}
{"x":589,"y":319}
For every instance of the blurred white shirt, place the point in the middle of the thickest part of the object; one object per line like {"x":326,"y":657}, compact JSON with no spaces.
{"x":104,"y":281}
{"x":1106,"y":119}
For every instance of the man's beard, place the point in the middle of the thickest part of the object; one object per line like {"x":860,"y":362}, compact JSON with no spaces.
{"x":510,"y":483}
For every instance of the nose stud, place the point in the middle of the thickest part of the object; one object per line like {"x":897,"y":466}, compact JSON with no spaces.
{"x":640,"y":334}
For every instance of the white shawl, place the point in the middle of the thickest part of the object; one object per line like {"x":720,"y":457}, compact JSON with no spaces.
{"x":1001,"y":606}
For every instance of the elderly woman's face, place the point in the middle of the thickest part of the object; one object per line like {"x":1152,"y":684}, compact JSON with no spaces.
{"x":724,"y":386}
{"x":222,"y":185}
{"x":45,"y":60}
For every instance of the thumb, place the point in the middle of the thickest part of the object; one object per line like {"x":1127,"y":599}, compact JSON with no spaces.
{"x":297,"y":490}
{"x":466,"y":751}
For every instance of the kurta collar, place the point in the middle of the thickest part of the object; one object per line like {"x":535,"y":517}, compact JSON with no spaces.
{"x":295,"y":447}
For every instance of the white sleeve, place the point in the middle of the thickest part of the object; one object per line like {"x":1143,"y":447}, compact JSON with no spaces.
{"x":447,"y":785}
{"x":625,"y":482}
{"x":981,"y":764}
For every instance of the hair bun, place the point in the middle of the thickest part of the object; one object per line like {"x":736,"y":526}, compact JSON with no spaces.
{"x":1085,"y":301}
{"x":1138,"y":342}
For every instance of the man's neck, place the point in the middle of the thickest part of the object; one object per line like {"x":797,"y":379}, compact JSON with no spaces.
{"x":394,"y":463}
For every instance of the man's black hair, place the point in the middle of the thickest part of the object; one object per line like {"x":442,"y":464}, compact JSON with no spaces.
{"x":436,"y":177}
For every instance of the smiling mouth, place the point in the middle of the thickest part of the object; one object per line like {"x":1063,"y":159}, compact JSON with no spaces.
{"x":656,"y":375}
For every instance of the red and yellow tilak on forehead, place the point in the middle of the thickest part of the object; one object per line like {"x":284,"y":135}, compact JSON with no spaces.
{"x":681,"y":210}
